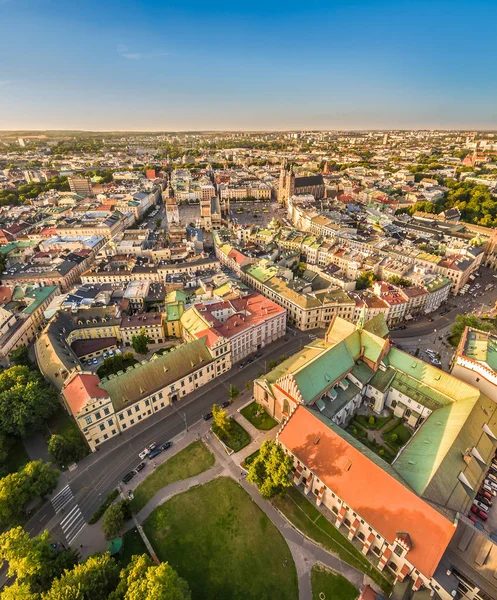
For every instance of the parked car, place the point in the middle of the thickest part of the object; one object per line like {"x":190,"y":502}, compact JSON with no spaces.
{"x":489,"y":489}
{"x":225,"y":404}
{"x":166,"y":446}
{"x":257,"y":354}
{"x":207,"y":416}
{"x":491,"y":483}
{"x":95,"y":361}
{"x":154,"y":453}
{"x":140,"y":467}
{"x":479,"y":504}
{"x":241,"y":365}
{"x":479,"y":513}
{"x":148,"y":449}
{"x":483,"y":500}
{"x":128,"y":477}
{"x":485,"y":494}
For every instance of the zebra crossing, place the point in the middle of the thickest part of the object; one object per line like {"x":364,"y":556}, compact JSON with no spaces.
{"x":73,"y":522}
{"x":62,"y":499}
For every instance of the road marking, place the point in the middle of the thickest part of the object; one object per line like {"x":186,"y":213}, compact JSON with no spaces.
{"x":73,"y":524}
{"x":60,"y":500}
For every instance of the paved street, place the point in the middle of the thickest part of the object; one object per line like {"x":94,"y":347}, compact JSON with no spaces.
{"x":99,"y":473}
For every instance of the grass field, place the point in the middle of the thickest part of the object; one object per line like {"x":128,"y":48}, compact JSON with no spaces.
{"x":190,"y":461}
{"x":235,"y":438}
{"x":332,"y":585}
{"x":133,"y":544}
{"x":255,"y":414}
{"x":220,"y":541}
{"x":403,"y":435}
{"x":306,"y":517}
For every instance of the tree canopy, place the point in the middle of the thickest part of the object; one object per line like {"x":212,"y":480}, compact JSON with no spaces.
{"x":17,"y":489}
{"x":34,"y":561}
{"x":270,"y":469}
{"x":220,"y":417}
{"x":463,"y":321}
{"x":26,"y":400}
{"x":140,"y":342}
{"x":365,"y":280}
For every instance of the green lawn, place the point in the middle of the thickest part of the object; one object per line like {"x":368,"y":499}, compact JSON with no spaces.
{"x":114,"y":364}
{"x":306,"y":517}
{"x":379,"y":422}
{"x":255,"y":414}
{"x":387,"y":454}
{"x":235,"y":438}
{"x":190,"y":461}
{"x":65,"y":425}
{"x":331,"y":584}
{"x":133,"y":544}
{"x":402,"y":433}
{"x":220,"y":541}
{"x":16,"y":456}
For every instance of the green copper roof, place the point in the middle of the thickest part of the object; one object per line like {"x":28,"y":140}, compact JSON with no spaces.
{"x":324,"y":370}
{"x":382,"y":379}
{"x":362,"y":372}
{"x":373,"y":345}
{"x":154,"y":375}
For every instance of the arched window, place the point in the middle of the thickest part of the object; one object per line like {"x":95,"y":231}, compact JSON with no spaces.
{"x":286,"y":407}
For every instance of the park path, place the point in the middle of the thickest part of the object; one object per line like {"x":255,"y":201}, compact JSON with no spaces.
{"x":305,"y":553}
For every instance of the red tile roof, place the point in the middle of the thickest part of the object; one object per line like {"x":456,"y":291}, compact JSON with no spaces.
{"x":81,"y":389}
{"x":377,"y":496}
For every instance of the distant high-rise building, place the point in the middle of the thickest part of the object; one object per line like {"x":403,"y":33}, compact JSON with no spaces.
{"x":385,"y":139}
{"x":80,"y":185}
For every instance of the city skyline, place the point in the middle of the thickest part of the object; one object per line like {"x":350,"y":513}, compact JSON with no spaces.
{"x":146,"y":67}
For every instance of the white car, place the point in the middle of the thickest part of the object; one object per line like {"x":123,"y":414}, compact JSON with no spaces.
{"x":489,"y":489}
{"x":481,"y":505}
{"x":490,"y":483}
{"x":143,"y":454}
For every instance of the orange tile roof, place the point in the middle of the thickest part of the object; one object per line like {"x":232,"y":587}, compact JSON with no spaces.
{"x":81,"y":389}
{"x":378,"y":497}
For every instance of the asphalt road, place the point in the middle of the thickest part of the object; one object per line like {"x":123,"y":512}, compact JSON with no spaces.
{"x":98,"y":474}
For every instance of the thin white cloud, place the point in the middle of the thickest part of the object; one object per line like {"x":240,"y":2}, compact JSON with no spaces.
{"x":126,"y":53}
{"x":5,"y":81}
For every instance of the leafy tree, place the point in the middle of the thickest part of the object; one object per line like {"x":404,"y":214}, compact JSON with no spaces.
{"x":158,"y":222}
{"x":18,"y":591}
{"x":113,"y":520}
{"x":142,"y":580}
{"x":220,"y":417}
{"x":17,"y":489}
{"x":94,"y":579}
{"x":64,"y":450}
{"x":400,"y":281}
{"x":140,"y":342}
{"x":26,"y":400}
{"x":20,"y":356}
{"x":34,"y":562}
{"x":470,"y":321}
{"x":365,"y":280}
{"x":233,"y":392}
{"x":270,"y":469}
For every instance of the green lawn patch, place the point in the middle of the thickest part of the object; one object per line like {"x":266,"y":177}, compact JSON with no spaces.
{"x":64,"y":425}
{"x":250,"y":459}
{"x":190,"y":461}
{"x":308,"y":519}
{"x":332,"y":585}
{"x":235,"y":438}
{"x":386,"y":453}
{"x":403,"y":435}
{"x":133,"y":544}
{"x":379,"y":422}
{"x":16,"y":456}
{"x":255,"y":414}
{"x":221,"y":542}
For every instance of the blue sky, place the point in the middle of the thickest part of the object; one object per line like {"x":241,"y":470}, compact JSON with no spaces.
{"x":150,"y":65}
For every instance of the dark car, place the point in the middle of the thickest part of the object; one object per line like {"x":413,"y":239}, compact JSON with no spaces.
{"x":207,"y":416}
{"x":241,"y":365}
{"x":249,"y":360}
{"x":140,"y":467}
{"x":154,"y":453}
{"x":225,"y":404}
{"x":128,"y":477}
{"x":258,"y":355}
{"x":483,"y":500}
{"x":166,"y":446}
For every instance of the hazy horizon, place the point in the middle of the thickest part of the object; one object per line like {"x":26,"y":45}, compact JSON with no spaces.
{"x":348,"y":66}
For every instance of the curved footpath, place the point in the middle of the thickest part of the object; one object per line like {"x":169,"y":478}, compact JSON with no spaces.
{"x":305,"y":553}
